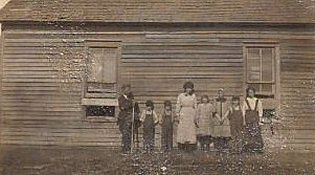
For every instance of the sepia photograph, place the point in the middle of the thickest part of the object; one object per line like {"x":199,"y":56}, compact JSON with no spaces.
{"x":157,"y":87}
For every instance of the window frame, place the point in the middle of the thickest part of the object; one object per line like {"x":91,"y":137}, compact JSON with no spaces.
{"x":276,"y":66}
{"x":262,"y":82}
{"x":101,"y":44}
{"x":90,"y":100}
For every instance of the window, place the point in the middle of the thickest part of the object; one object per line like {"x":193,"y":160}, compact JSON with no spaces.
{"x":101,"y":79}
{"x":102,"y":71}
{"x":261,"y":70}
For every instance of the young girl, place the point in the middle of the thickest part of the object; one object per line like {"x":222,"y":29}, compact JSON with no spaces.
{"x":253,"y":112}
{"x":149,"y":120}
{"x":221,"y":128}
{"x":167,"y":126}
{"x":234,"y":114}
{"x":205,"y":122}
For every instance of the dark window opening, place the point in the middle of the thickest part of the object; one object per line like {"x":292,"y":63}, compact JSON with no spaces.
{"x":265,"y":95}
{"x":106,"y":111}
{"x":269,"y":114}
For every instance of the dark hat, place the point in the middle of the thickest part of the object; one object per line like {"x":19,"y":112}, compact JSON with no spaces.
{"x":188,"y":84}
{"x":167,"y":103}
{"x":149,"y":103}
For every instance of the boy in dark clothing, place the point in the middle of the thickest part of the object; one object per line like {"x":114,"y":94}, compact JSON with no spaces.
{"x":149,"y":120}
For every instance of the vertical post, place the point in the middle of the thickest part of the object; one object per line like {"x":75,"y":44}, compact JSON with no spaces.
{"x":132,"y":128}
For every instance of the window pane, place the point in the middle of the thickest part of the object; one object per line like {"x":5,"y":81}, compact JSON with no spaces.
{"x":253,"y":70}
{"x":268,"y":67}
{"x":110,"y":65}
{"x":267,"y":88}
{"x":253,"y":53}
{"x":95,"y":66}
{"x":253,"y":64}
{"x":103,"y":65}
{"x":256,"y":87}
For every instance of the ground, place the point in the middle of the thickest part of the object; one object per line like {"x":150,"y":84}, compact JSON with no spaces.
{"x":99,"y":161}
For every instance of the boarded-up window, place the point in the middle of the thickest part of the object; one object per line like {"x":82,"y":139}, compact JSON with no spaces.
{"x":260,"y":70}
{"x":102,"y":65}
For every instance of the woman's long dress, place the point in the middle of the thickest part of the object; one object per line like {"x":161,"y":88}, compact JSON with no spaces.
{"x":186,"y":110}
{"x":254,"y":141}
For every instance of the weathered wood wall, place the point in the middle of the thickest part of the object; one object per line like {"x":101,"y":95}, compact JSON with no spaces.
{"x":298,"y":91}
{"x":42,"y":69}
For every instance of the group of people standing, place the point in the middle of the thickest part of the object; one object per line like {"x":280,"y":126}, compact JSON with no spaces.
{"x":223,"y":124}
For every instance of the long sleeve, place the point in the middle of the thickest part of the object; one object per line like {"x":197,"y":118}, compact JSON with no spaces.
{"x":161,"y":117}
{"x":260,"y":109}
{"x":178,"y":106}
{"x":243,"y":113}
{"x":195,"y":102}
{"x":198,"y":113}
{"x":214,"y":111}
{"x":143,"y":115}
{"x":155,"y":117}
{"x":227,"y":113}
{"x":196,"y":108}
{"x":244,"y":108}
{"x":217,"y":111}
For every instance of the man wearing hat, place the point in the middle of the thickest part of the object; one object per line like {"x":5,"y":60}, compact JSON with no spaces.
{"x":128,"y":107}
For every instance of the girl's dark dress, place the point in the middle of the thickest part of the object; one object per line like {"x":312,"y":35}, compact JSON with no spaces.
{"x":167,"y":131}
{"x":254,"y":141}
{"x":236,"y":124}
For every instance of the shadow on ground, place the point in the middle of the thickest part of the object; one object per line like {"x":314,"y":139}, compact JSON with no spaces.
{"x":98,"y":161}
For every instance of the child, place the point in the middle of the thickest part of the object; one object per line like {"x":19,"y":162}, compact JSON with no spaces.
{"x":167,"y":126}
{"x":235,"y":116}
{"x":221,"y":124}
{"x":253,"y":113}
{"x":205,"y":123}
{"x":149,"y":120}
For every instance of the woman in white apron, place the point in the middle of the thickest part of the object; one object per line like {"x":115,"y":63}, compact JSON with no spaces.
{"x":186,"y":108}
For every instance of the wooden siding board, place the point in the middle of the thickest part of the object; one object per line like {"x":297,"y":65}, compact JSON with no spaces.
{"x":31,"y":86}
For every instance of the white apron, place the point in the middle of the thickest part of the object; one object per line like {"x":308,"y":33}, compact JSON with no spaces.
{"x":186,"y":110}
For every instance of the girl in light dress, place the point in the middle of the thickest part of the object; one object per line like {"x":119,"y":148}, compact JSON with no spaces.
{"x":205,"y":123}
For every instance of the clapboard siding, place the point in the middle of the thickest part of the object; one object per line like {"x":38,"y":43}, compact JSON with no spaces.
{"x":297,"y":92}
{"x":41,"y":102}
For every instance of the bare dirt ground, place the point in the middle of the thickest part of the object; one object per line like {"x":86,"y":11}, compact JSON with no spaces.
{"x":100,"y":161}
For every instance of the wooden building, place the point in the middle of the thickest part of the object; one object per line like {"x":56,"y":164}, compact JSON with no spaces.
{"x":63,"y":61}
